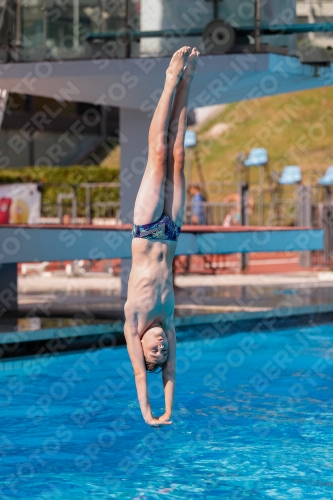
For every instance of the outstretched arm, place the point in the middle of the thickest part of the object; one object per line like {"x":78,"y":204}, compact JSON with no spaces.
{"x":136,"y":356}
{"x":169,"y":372}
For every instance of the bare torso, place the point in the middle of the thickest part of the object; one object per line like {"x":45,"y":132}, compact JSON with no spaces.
{"x":150,"y":290}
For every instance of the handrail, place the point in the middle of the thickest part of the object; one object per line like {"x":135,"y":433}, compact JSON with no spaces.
{"x":124,"y":33}
{"x":264,"y":30}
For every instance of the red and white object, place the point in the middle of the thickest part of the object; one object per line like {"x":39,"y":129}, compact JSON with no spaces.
{"x":19,"y":204}
{"x":4,"y":210}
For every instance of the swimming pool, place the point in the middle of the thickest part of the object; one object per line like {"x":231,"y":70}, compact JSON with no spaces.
{"x":253,"y":419}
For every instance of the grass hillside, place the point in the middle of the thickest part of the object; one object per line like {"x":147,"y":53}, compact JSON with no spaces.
{"x":296,"y":129}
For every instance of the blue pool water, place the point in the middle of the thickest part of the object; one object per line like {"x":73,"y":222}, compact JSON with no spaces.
{"x":253,"y":420}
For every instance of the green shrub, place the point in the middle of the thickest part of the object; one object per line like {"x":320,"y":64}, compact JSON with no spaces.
{"x":55,"y":180}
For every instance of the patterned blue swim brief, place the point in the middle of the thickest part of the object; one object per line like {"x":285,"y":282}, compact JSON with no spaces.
{"x":163,"y":229}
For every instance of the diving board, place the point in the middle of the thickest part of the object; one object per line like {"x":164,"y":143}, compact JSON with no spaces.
{"x":57,"y":243}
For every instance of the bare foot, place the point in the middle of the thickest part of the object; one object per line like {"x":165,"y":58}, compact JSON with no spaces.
{"x":176,"y":66}
{"x":190,"y":67}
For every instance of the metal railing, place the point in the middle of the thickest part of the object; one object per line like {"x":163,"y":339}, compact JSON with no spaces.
{"x":213,"y":214}
{"x":81,"y":202}
{"x":286,"y":211}
{"x":106,"y":210}
{"x":91,"y":200}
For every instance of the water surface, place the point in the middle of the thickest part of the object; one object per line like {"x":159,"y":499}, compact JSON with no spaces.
{"x":253,"y":419}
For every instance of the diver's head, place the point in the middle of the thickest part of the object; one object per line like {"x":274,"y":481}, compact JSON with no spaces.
{"x":155,"y":347}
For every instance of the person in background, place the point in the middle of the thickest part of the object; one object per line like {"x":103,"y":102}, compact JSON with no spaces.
{"x":66,"y":219}
{"x":198,"y":205}
{"x":232,"y":218}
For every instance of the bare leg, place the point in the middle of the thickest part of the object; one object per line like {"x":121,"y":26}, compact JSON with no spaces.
{"x":150,"y":199}
{"x":175,"y":190}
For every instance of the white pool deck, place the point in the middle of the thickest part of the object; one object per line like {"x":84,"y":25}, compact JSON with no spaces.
{"x":93,"y":306}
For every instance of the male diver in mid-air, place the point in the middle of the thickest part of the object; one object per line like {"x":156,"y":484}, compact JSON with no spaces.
{"x":158,"y":215}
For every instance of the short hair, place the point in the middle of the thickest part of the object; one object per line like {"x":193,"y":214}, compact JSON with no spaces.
{"x":153,"y":367}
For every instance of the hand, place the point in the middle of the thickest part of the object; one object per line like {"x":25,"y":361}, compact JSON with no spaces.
{"x":165,"y":418}
{"x":157,"y":422}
